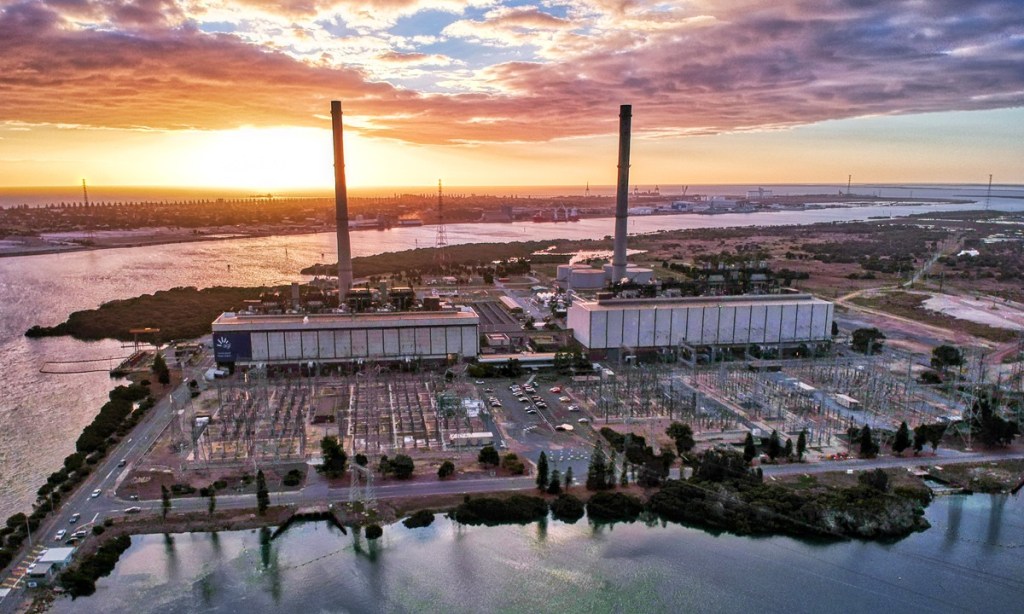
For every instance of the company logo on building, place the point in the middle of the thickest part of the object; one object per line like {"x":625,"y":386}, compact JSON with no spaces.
{"x":223,"y":343}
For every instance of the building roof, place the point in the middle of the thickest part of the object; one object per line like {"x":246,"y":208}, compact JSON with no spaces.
{"x":57,"y":555}
{"x":751,"y":300}
{"x":240,"y":321}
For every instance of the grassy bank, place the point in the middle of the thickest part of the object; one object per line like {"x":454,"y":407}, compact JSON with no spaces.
{"x":422,"y":259}
{"x":179,"y":313}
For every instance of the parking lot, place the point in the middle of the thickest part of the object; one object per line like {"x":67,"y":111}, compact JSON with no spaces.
{"x":534,"y":423}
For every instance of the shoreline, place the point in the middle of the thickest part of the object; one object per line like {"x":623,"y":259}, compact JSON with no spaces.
{"x":170,"y":238}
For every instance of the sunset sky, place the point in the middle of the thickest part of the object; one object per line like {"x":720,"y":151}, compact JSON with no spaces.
{"x":235,"y":93}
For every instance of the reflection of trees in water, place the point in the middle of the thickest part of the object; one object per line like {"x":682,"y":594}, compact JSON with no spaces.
{"x":171,"y":556}
{"x":269,"y":565}
{"x":371,"y":552}
{"x":542,"y":529}
{"x":953,"y":520}
{"x":995,"y":519}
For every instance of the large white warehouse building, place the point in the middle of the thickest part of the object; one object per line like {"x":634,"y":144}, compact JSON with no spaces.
{"x":330,"y":338}
{"x":701,"y":321}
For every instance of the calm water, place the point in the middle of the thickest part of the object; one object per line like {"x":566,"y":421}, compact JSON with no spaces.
{"x":42,"y":415}
{"x":970,"y":561}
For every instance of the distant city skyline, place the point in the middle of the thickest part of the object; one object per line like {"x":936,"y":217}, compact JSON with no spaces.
{"x":235,"y":93}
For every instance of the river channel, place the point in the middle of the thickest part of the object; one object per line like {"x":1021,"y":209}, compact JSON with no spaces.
{"x":41,"y":415}
{"x":969,"y":561}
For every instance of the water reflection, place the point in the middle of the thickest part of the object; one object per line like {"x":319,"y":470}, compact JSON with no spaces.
{"x":633,"y":567}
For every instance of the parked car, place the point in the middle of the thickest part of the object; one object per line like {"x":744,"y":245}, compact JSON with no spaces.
{"x":555,"y":389}
{"x":565,"y":399}
{"x":60,"y":535}
{"x":79,"y":534}
{"x":531,"y":411}
{"x":132,"y":510}
{"x":583,"y":421}
{"x":479,"y":382}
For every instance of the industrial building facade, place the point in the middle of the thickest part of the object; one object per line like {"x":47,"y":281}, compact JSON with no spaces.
{"x":701,"y":321}
{"x":330,"y":338}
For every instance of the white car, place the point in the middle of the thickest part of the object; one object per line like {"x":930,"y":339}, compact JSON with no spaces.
{"x":564,"y":399}
{"x":95,"y":493}
{"x":583,"y":421}
{"x":60,"y":535}
{"x":74,"y":518}
{"x":31,"y":567}
{"x":479,"y":382}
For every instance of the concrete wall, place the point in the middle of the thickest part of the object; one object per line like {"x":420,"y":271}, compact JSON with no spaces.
{"x":372,"y":343}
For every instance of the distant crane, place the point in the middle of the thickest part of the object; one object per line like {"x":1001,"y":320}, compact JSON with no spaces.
{"x":85,"y":192}
{"x":849,"y":180}
{"x":988,"y":195}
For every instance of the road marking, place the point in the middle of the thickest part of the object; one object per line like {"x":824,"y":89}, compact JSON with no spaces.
{"x":94,"y":518}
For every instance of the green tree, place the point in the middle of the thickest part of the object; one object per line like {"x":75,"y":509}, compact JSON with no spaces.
{"x":597,"y":470}
{"x":946,"y":356}
{"x":211,"y":505}
{"x":334,"y":457}
{"x":446,"y":469}
{"x":774,"y":446}
{"x":165,"y":501}
{"x":867,"y":340}
{"x":902,"y":440}
{"x":542,"y":471}
{"x":555,"y":482}
{"x":511,"y":463}
{"x":788,"y":450}
{"x":568,"y":478}
{"x":362,"y":460}
{"x":262,"y":494}
{"x":488,"y":456}
{"x":384,"y":467}
{"x":749,"y":449}
{"x":920,"y":437}
{"x":403,"y":466}
{"x":609,"y":478}
{"x":373,"y":531}
{"x":801,"y":445}
{"x":935,"y":434}
{"x":868,"y":447}
{"x":159,"y":364}
{"x":163,"y":374}
{"x":682,"y":434}
{"x":835,"y":328}
{"x":623,"y":478}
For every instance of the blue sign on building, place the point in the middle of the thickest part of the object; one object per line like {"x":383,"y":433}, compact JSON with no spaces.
{"x":231,"y":347}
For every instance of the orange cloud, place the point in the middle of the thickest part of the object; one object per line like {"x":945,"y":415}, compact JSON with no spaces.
{"x":748,"y":68}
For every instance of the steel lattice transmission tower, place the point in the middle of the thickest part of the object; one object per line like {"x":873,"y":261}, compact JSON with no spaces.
{"x":441,"y":238}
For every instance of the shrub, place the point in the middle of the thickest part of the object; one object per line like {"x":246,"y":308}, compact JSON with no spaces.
{"x":611,"y":506}
{"x":490,"y":511}
{"x":422,"y":518}
{"x":567,"y":508}
{"x":374,"y":531}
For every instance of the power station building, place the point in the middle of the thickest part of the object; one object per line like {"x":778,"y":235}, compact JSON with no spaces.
{"x":246,"y":339}
{"x":719,"y":321}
